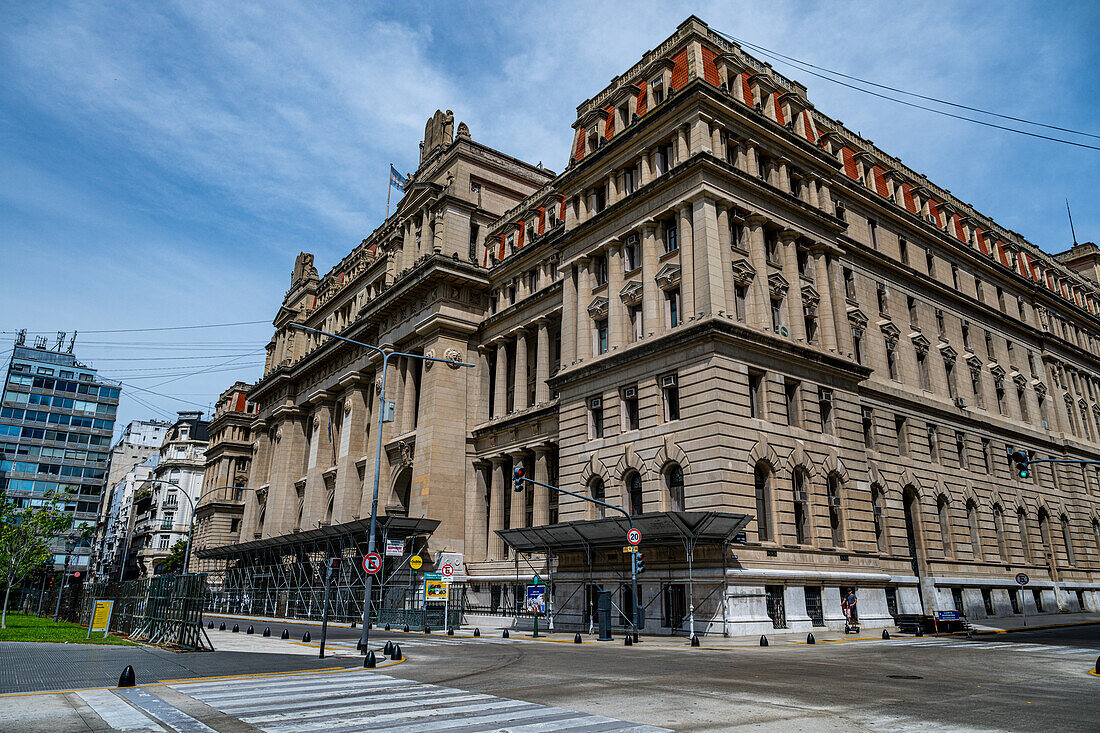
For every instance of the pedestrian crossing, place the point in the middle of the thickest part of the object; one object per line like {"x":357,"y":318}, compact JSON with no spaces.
{"x":986,"y":646}
{"x":353,"y":701}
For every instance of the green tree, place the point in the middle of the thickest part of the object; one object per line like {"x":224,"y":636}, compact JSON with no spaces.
{"x":173,"y":561}
{"x":25,"y":537}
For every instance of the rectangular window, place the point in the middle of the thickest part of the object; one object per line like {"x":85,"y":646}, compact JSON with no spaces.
{"x":601,"y":337}
{"x":883,"y":299}
{"x":914,"y":316}
{"x":930,"y":262}
{"x":1001,"y":299}
{"x":868,"y":428}
{"x":849,"y":284}
{"x":756,"y":396}
{"x":933,"y":443}
{"x":791,"y":392}
{"x":630,"y":408}
{"x":630,"y":253}
{"x":672,"y":307}
{"x":825,"y":409}
{"x":966,"y":335}
{"x":1021,"y":395}
{"x":976,"y":387}
{"x":903,"y":251}
{"x":979,"y":290}
{"x":941,"y":329}
{"x":595,"y":417}
{"x":771,"y":246}
{"x":955,"y":276}
{"x":629,"y":181}
{"x":949,"y":371}
{"x":599,"y":269}
{"x":960,"y":450}
{"x":740,"y":302}
{"x":670,"y":397}
{"x":634,"y":313}
{"x":922,"y":370}
{"x":671,"y":240}
{"x":892,"y":359}
{"x":901,"y":426}
{"x":872,"y":227}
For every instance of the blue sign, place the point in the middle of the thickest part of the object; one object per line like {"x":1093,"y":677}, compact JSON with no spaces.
{"x":947,"y":616}
{"x":536,"y":599}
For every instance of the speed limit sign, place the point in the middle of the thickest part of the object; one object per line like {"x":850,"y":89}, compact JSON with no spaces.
{"x":633,"y":536}
{"x":372,"y":563}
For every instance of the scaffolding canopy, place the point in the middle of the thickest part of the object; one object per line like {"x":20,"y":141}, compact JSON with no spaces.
{"x":657,"y":528}
{"x":393,"y":527}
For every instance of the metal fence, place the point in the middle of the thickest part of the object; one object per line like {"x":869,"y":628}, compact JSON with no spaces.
{"x":166,"y":609}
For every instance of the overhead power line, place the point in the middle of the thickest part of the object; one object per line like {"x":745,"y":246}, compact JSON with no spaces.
{"x":159,"y":328}
{"x":808,"y":68}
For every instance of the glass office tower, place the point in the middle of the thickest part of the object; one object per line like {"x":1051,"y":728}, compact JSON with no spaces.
{"x":56,"y":422}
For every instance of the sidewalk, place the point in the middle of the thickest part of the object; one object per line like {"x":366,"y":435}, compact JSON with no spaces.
{"x":1042,"y":621}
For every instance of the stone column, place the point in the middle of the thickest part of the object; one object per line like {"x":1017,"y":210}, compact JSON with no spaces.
{"x":825,"y":317}
{"x":520,"y":399}
{"x":784,"y":176}
{"x":584,"y":323}
{"x":582,"y":206}
{"x":716,"y":146}
{"x":477,"y":512}
{"x":700,"y":136}
{"x":811,"y":191}
{"x":568,"y":318}
{"x":542,"y":364}
{"x":725,"y":242}
{"x":612,"y":188}
{"x":709,"y":259}
{"x":517,"y":515}
{"x":840,"y":308}
{"x":500,"y":393}
{"x":687,"y":262}
{"x":408,"y":397}
{"x":752,"y":165}
{"x":356,"y":419}
{"x":497,"y":497}
{"x":645,"y":172}
{"x":481,"y":409}
{"x":541,"y":512}
{"x":651,"y":321}
{"x":794,"y":294}
{"x":681,"y":144}
{"x":824,"y":200}
{"x":616,"y":312}
{"x":759,"y":315}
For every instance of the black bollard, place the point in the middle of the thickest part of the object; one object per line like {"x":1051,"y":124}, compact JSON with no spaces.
{"x":370,"y":662}
{"x":810,"y":639}
{"x":353,"y":624}
{"x":210,"y":625}
{"x":126,"y":679}
{"x":450,"y":631}
{"x":427,"y":629}
{"x":388,"y":649}
{"x":387,"y":627}
{"x":267,"y":631}
{"x":285,"y":635}
{"x":250,"y":630}
{"x":406,"y":629}
{"x":305,"y":637}
{"x":505,"y":634}
{"x":695,"y":641}
{"x":763,"y":640}
{"x":477,"y":632}
{"x":920,"y":631}
{"x":396,"y":653}
{"x":369,"y":626}
{"x":236,"y":629}
{"x":222,"y":627}
{"x":577,"y":639}
{"x":358,"y":645}
{"x":885,"y":634}
{"x":1097,"y":670}
{"x":628,"y":641}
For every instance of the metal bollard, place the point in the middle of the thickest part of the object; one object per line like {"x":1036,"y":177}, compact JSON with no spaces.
{"x":285,"y":635}
{"x":267,"y":631}
{"x":305,"y":637}
{"x":763,"y":640}
{"x":406,"y":628}
{"x":396,"y":653}
{"x":370,"y":662}
{"x":505,"y":634}
{"x":477,"y":632}
{"x":250,"y":630}
{"x":427,"y":629}
{"x":210,"y":625}
{"x":628,"y":641}
{"x":126,"y":679}
{"x":222,"y":627}
{"x":577,"y":639}
{"x":387,"y":627}
{"x":695,"y":641}
{"x":885,"y":634}
{"x":810,"y":639}
{"x":388,"y":649}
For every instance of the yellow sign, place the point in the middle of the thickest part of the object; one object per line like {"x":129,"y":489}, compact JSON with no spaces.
{"x":101,"y":617}
{"x":435,"y":590}
{"x":415,"y":562}
{"x":630,"y":548}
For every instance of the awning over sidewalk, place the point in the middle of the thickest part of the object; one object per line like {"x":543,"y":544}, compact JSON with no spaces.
{"x":657,"y":528}
{"x":359,"y":531}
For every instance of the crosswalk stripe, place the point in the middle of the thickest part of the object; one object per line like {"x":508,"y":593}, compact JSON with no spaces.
{"x":429,"y":714}
{"x":175,"y":718}
{"x":270,"y":682}
{"x":117,"y":714}
{"x":250,"y":704}
{"x":329,"y":709}
{"x":283,"y":694}
{"x":556,"y":716}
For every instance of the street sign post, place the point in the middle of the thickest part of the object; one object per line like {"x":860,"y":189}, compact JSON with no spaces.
{"x":372,"y":563}
{"x":536,"y":603}
{"x":447,"y":571}
{"x":1022,"y":580}
{"x":634,"y":536}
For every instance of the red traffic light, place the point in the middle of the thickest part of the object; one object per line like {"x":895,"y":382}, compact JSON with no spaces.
{"x":517,"y":479}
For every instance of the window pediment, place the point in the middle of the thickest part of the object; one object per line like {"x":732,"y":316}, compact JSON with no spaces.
{"x":598,"y":307}
{"x":668,"y":277}
{"x":947,"y":351}
{"x":810,"y":298}
{"x":857,"y":318}
{"x":890,"y":331}
{"x":743,"y":271}
{"x":631,"y":293}
{"x":778,"y":285}
{"x":997,"y":371}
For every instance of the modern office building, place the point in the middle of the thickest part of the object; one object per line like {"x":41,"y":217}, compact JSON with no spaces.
{"x":797,"y":363}
{"x":129,"y":462}
{"x":163,"y":504}
{"x":228,"y":457}
{"x":56,"y":423}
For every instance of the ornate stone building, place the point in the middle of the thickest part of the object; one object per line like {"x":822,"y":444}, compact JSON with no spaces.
{"x":729,"y":308}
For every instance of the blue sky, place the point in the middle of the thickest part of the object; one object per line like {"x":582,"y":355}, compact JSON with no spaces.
{"x":164,"y":162}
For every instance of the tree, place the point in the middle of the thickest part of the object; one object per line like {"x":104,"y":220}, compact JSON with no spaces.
{"x":173,"y":562}
{"x":25,"y":537}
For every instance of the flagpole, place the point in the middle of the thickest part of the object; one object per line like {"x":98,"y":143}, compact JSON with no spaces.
{"x":389,"y":186}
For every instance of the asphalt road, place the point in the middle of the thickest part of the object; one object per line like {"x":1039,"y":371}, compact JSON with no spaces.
{"x":1025,"y":681}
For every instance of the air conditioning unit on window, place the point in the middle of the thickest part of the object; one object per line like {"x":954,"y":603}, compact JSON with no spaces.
{"x":669,"y":380}
{"x":834,"y":501}
{"x":595,"y":403}
{"x":1045,"y":426}
{"x":784,"y":331}
{"x":960,"y":402}
{"x":801,"y":496}
{"x":630,"y":393}
{"x":554,"y":257}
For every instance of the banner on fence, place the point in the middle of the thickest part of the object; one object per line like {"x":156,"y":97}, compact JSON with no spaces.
{"x":435,"y":590}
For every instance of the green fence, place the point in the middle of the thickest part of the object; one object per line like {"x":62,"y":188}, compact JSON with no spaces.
{"x":165,"y":609}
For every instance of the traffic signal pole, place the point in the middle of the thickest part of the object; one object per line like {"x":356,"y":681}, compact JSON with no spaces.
{"x":517,"y":486}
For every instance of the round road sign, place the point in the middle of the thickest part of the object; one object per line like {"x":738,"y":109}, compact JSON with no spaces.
{"x":448,"y":570}
{"x":415,"y":562}
{"x":633,"y":536}
{"x":372,"y":563}
{"x":1022,"y":578}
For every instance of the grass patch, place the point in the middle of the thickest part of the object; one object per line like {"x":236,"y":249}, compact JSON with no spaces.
{"x":24,"y":627}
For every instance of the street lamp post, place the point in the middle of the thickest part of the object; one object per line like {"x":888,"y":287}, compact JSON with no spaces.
{"x":364,"y":638}
{"x":518,"y":477}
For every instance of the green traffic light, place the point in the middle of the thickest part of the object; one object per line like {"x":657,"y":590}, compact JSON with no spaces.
{"x":1024,"y":473}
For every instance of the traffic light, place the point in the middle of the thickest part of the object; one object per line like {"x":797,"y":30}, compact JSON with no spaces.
{"x":1020,"y":461}
{"x":517,"y":479}
{"x":639,"y":563}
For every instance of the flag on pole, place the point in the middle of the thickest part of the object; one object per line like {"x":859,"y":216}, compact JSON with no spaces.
{"x":396,"y":179}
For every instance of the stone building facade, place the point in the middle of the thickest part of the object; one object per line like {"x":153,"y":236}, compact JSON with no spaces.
{"x":726,"y":302}
{"x":220,"y":506}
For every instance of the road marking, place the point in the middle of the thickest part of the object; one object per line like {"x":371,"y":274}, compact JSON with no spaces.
{"x":117,"y":713}
{"x":175,"y":718}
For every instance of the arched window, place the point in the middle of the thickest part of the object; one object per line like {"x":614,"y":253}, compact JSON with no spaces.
{"x":975,"y":530}
{"x":634,"y":492}
{"x":943,"y":513}
{"x":801,"y":495}
{"x":301,"y":511}
{"x":1067,"y":539}
{"x":999,"y":528}
{"x":836,"y":518}
{"x":674,"y":478}
{"x":1096,"y":535}
{"x":1044,"y":535}
{"x":328,"y":509}
{"x":263,"y":516}
{"x":878,"y":510}
{"x":910,"y":505}
{"x":174,"y":475}
{"x":597,"y":492}
{"x":1025,"y":539}
{"x":762,"y":481}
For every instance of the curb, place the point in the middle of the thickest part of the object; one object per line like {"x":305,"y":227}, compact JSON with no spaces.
{"x":1022,"y":628}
